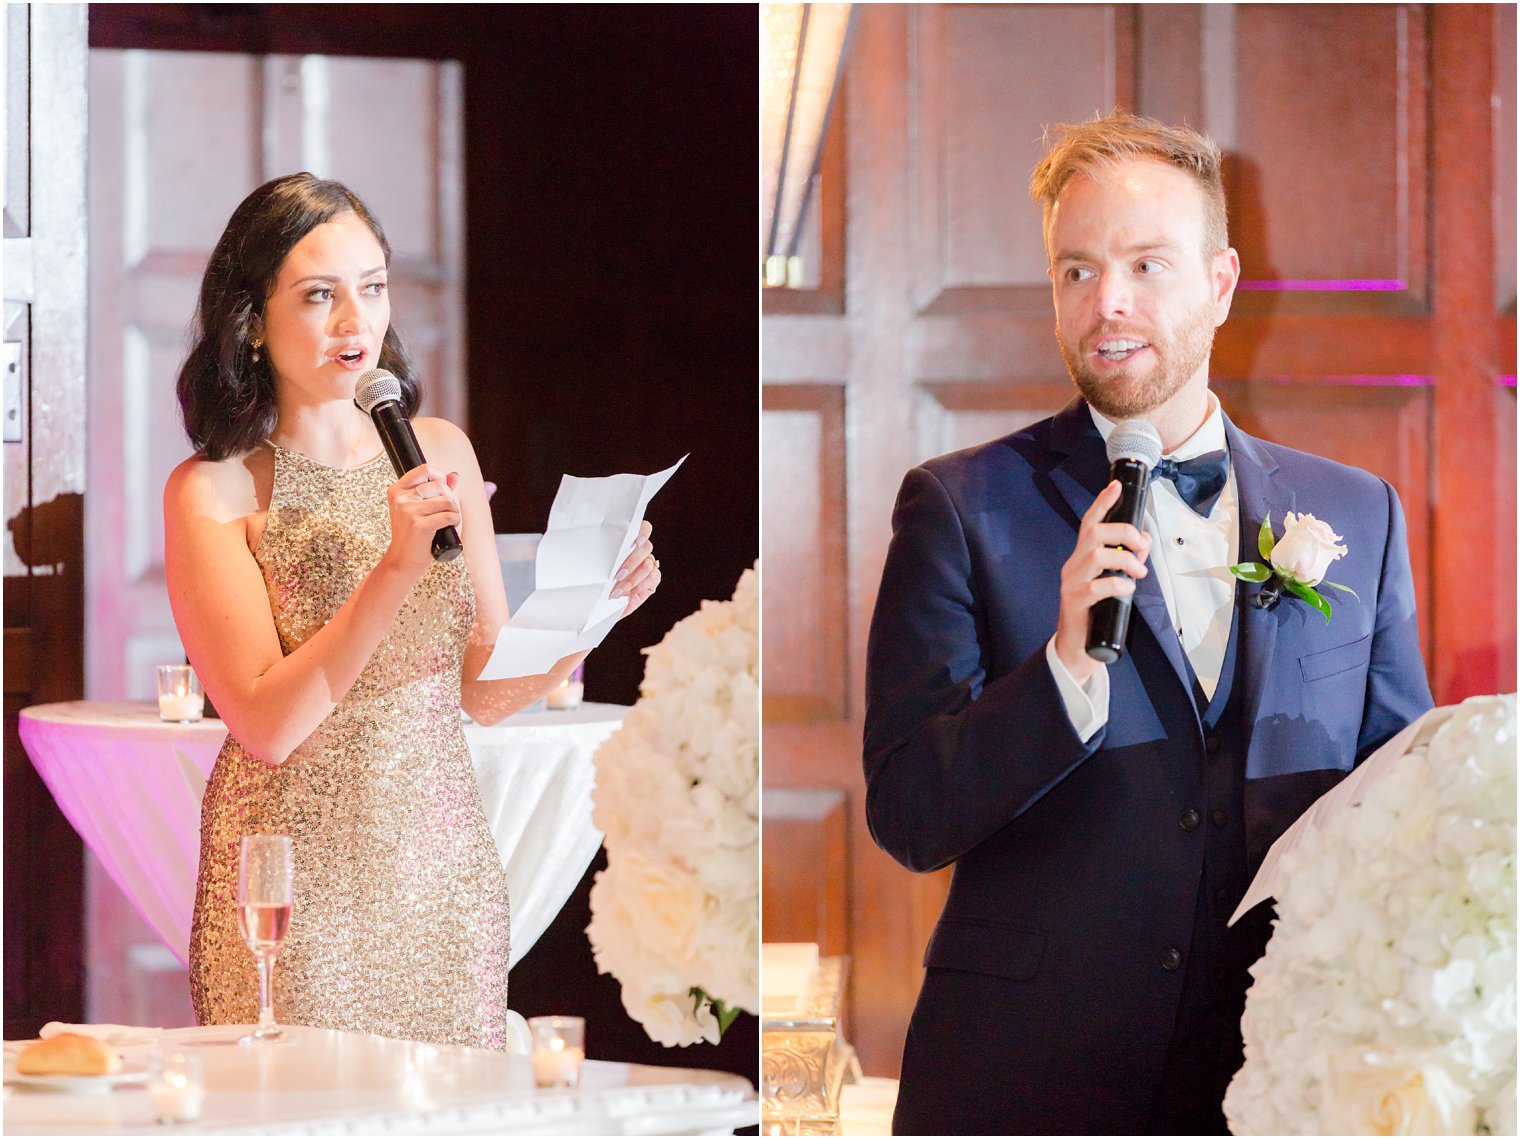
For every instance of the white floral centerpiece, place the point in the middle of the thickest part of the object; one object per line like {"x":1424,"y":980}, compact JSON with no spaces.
{"x":675,"y":916}
{"x":1385,"y":1003}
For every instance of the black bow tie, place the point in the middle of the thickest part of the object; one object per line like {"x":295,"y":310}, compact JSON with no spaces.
{"x":1199,"y":480}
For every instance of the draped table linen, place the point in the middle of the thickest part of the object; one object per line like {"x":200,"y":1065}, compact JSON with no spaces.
{"x":320,"y":1081}
{"x":131,"y":786}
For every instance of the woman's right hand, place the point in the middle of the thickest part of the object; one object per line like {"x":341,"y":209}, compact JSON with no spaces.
{"x":421,"y":502}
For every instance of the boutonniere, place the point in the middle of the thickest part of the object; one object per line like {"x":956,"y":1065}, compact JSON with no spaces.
{"x":1296,"y":562}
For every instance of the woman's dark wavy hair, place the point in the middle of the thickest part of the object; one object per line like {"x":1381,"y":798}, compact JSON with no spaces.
{"x":227,"y":400}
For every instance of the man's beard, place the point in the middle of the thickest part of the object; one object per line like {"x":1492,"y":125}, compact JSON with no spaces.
{"x":1119,"y":396}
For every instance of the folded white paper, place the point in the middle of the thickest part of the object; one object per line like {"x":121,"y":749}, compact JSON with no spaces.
{"x":593,"y":526}
{"x":1346,"y":794}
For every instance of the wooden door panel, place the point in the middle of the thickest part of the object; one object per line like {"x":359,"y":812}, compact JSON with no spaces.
{"x":345,"y":119}
{"x":169,"y":105}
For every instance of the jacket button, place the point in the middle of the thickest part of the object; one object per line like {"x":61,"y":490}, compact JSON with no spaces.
{"x":1211,"y":744}
{"x":1219,"y":817}
{"x":1189,"y":820}
{"x":1171,"y":960}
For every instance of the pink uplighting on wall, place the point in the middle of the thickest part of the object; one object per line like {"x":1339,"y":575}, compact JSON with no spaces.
{"x":1328,"y":286}
{"x":1363,"y":381}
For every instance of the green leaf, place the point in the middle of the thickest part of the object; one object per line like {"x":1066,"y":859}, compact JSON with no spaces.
{"x":1299,"y":590}
{"x":1345,"y":588}
{"x":1264,"y":539}
{"x":725,"y":1015}
{"x":1251,"y":571}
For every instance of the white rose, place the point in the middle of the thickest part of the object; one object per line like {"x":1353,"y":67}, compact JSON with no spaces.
{"x":1394,"y":1093}
{"x":1306,"y":549}
{"x":670,"y":1018}
{"x":668,"y":905}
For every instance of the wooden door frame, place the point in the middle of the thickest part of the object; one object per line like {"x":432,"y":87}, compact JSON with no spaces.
{"x":44,"y":609}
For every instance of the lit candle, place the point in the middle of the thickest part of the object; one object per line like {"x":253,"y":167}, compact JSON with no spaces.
{"x":175,"y":1096}
{"x":567,"y":696}
{"x":181,"y":708}
{"x":179,"y":693}
{"x":557,"y":1064}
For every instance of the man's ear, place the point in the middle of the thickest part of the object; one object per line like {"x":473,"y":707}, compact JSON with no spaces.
{"x":1224,"y":273}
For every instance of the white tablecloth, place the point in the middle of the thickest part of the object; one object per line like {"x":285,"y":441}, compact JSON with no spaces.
{"x":132,"y":786}
{"x":321,"y":1082}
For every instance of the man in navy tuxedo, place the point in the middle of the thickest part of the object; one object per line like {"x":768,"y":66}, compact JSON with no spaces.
{"x":1104,"y":821}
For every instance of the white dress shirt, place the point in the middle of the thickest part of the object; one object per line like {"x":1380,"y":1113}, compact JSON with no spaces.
{"x":1190,"y":557}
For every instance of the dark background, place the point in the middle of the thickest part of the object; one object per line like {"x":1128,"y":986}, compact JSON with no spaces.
{"x":613,"y":325}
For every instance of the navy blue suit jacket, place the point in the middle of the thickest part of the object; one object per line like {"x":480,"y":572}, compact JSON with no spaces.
{"x":1072,"y":877}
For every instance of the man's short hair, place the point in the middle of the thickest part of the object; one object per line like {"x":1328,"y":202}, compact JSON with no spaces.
{"x":1094,"y":147}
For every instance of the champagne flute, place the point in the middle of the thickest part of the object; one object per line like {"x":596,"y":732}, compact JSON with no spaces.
{"x":264,"y":898}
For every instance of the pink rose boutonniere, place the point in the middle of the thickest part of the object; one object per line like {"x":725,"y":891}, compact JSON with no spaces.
{"x":1295,"y":563}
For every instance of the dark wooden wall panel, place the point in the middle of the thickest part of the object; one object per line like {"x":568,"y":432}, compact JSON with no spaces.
{"x":805,"y":664}
{"x":806,"y":849}
{"x":956,"y":415}
{"x":1345,"y":203}
{"x":972,"y":144}
{"x":1382,"y":428}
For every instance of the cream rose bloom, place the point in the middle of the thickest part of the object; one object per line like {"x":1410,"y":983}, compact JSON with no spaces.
{"x":1394,"y":1093}
{"x":1306,"y":549}
{"x":677,"y":796}
{"x":1386,"y":1001}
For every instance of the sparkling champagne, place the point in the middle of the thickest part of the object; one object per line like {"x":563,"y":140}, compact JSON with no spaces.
{"x":264,"y":925}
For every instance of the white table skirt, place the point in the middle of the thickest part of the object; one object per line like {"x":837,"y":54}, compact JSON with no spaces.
{"x":322,"y":1082}
{"x":131,"y":786}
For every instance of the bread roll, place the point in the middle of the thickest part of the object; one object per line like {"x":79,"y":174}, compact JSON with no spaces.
{"x":68,"y":1054}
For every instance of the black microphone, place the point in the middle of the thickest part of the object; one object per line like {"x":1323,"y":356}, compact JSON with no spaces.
{"x":1134,"y":449}
{"x":378,"y":394}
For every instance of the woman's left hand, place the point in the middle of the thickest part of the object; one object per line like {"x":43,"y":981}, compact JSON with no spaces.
{"x":639,"y":575}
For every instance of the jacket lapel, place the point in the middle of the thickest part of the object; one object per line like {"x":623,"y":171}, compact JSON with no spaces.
{"x":1260,"y":495}
{"x":1079,"y":477}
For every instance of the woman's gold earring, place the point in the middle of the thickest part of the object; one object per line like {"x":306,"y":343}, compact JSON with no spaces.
{"x":257,"y":344}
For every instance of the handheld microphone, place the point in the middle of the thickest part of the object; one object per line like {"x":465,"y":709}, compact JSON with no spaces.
{"x":1134,"y":449}
{"x":378,"y":394}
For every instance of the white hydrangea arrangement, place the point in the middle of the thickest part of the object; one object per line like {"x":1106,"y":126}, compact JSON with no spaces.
{"x":675,"y":916}
{"x":1385,"y":1003}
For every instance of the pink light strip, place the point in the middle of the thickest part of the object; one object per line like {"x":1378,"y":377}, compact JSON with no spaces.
{"x":1506,"y":381}
{"x":1322,"y":286}
{"x":1364,"y":381}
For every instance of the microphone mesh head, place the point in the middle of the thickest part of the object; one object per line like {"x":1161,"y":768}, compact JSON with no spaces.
{"x":1135,"y":439}
{"x":378,"y":386}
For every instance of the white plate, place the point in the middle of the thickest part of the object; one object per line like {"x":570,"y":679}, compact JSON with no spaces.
{"x":75,"y":1085}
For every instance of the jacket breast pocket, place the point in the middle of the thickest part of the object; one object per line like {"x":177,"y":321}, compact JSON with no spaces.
{"x":988,"y":947}
{"x":1342,"y":658}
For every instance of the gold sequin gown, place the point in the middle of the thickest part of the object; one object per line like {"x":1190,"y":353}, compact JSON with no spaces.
{"x":400,"y":920}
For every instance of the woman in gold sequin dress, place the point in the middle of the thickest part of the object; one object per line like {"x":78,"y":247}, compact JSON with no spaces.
{"x":336,"y":650}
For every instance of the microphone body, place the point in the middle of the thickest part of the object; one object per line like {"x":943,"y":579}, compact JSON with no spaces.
{"x":1108,"y":622}
{"x":1134,"y":449}
{"x":400,"y":443}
